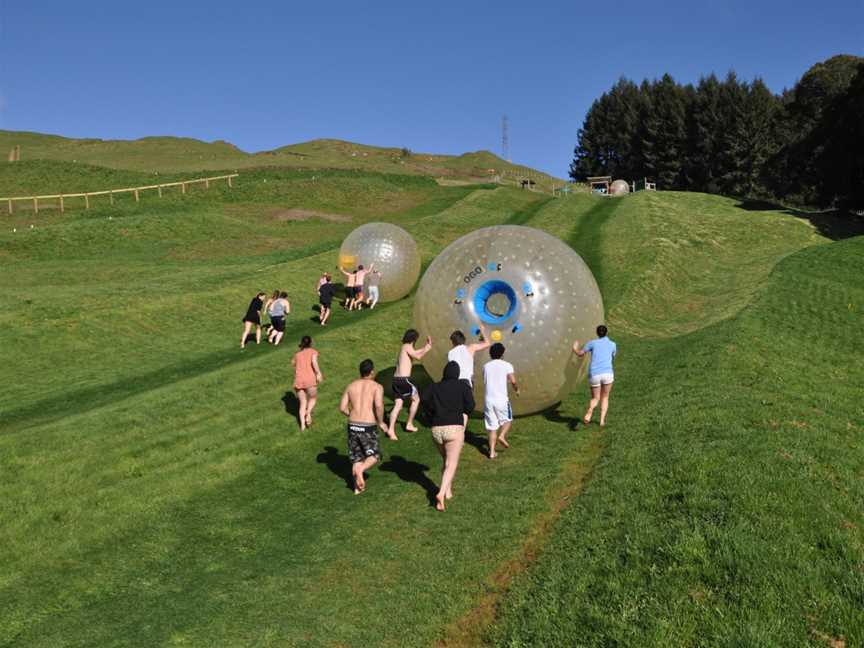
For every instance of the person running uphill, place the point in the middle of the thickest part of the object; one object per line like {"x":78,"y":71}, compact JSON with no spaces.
{"x":363,"y":404}
{"x":326,"y":291}
{"x":253,"y":317}
{"x":279,"y":308}
{"x":350,"y":280}
{"x":307,"y":377}
{"x":404,"y":391}
{"x":373,"y":280}
{"x":600,"y":373}
{"x":463,"y":354}
{"x":448,"y":404}
{"x":497,"y":413}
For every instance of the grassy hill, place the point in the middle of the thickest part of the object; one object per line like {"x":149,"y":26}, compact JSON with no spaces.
{"x":185,"y":155}
{"x":156,"y":489}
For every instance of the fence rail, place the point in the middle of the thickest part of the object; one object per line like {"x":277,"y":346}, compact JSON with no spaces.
{"x":183,"y":184}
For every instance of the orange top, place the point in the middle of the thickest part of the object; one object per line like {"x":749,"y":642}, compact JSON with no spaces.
{"x":304,"y":372}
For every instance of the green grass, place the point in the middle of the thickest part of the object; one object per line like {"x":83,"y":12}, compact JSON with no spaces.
{"x":189,"y":156}
{"x":156,"y":492}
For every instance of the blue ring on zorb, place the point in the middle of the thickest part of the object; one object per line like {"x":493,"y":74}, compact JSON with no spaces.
{"x":485,"y":292}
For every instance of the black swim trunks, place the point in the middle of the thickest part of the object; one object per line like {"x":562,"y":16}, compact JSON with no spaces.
{"x":278,"y":322}
{"x":362,"y":442}
{"x":403,"y":389}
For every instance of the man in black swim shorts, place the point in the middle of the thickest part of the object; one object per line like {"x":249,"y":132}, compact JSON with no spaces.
{"x":363,"y":404}
{"x":325,"y":299}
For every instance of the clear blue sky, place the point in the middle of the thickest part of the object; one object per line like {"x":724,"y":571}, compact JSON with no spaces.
{"x":432,"y":76}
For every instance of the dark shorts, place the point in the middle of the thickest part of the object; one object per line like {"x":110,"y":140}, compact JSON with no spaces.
{"x":278,"y":323}
{"x":254,"y":318}
{"x":326,"y":303}
{"x":349,"y":292}
{"x":403,"y":389}
{"x":362,"y":442}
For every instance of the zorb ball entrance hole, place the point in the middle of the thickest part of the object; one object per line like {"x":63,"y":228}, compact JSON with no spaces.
{"x":529,"y":290}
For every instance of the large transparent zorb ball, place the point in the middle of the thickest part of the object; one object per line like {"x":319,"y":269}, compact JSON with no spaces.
{"x":530,"y":291}
{"x":393,"y":252}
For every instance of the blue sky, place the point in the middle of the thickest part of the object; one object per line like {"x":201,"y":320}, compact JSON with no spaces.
{"x":435,"y":77}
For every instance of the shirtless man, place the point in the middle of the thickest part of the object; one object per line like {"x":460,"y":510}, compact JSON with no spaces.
{"x":404,"y":391}
{"x":359,"y":278}
{"x":363,"y":404}
{"x":350,"y":282}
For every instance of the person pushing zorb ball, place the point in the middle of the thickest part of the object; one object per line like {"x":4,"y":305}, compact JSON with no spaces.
{"x":393,"y":253}
{"x":530,"y":291}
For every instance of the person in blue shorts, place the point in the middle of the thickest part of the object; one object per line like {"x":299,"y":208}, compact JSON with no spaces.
{"x":600,"y":373}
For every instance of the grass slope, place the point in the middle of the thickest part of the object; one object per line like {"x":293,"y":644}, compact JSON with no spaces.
{"x":727,"y":507}
{"x":156,"y":489}
{"x":185,"y":155}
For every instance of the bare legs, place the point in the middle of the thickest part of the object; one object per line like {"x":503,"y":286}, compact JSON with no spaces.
{"x":325,"y":315}
{"x":599,"y":395}
{"x":450,"y":451}
{"x":394,"y":414}
{"x":304,"y":404}
{"x":605,"y":390}
{"x":247,"y":327}
{"x":358,"y":469}
{"x":308,"y":399}
{"x":497,"y":435}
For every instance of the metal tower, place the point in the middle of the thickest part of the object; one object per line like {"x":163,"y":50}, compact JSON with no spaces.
{"x":505,"y":139}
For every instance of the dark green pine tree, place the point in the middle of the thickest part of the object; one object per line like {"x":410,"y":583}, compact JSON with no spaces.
{"x":704,"y":136}
{"x":665,"y":140}
{"x":733,"y":143}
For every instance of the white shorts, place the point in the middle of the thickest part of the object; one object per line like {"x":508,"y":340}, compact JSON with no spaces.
{"x":601,"y":379}
{"x":373,"y":292}
{"x":497,"y":414}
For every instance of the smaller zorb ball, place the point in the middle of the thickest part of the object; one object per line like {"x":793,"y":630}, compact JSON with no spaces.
{"x":391,"y":250}
{"x":619,"y":188}
{"x":530,"y":291}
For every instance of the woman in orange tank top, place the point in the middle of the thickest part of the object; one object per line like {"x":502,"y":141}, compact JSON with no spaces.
{"x":307,"y":376}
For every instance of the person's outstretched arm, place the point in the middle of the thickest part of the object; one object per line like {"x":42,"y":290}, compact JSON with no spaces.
{"x":579,"y":352}
{"x":417,"y":354}
{"x":480,"y":346}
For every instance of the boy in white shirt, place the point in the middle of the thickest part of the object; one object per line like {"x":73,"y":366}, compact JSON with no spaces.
{"x":498,"y":415}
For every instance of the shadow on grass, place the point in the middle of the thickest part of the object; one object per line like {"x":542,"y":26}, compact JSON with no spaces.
{"x":292,"y":405}
{"x":553,"y":415}
{"x":338,"y":464}
{"x":412,"y":472}
{"x":833,"y":224}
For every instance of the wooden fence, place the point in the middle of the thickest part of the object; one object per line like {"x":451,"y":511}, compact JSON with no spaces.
{"x":87,"y":195}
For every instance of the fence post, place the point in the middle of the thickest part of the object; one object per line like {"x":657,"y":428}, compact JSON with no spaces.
{"x":160,"y":191}
{"x":86,"y":201}
{"x":183,"y":187}
{"x":35,"y":204}
{"x":62,"y":205}
{"x":111,"y":195}
{"x":137,"y":198}
{"x":206,"y":183}
{"x":230,"y":181}
{"x":10,"y":205}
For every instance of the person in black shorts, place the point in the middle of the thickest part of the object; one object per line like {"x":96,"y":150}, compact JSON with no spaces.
{"x":253,"y":317}
{"x":404,"y":391}
{"x":363,"y":403}
{"x":325,"y":299}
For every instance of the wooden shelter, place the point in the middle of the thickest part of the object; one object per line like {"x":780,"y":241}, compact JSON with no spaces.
{"x":599,"y":184}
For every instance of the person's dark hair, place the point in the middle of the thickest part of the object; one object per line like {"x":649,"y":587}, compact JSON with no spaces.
{"x":410,"y":336}
{"x":366,"y":368}
{"x":328,"y":276}
{"x":602,"y":331}
{"x":496,"y":351}
{"x":305,"y":342}
{"x":283,"y":294}
{"x":457,"y":338}
{"x":275,"y":294}
{"x":261,"y":293}
{"x":360,"y":267}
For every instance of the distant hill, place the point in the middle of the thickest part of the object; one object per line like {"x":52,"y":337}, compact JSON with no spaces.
{"x":183,"y":154}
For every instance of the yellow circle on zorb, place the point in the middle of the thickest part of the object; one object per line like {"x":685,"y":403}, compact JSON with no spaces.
{"x":530,"y":291}
{"x":393,"y":252}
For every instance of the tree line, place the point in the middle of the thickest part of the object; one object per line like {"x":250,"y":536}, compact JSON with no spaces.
{"x":735,"y":137}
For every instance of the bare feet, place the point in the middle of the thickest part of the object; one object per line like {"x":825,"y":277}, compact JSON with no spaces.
{"x":410,"y":428}
{"x":308,"y":420}
{"x":503,"y":442}
{"x":391,"y":434}
{"x":439,"y":502}
{"x":492,"y":455}
{"x":359,"y":482}
{"x":449,"y":495}
{"x":586,"y":420}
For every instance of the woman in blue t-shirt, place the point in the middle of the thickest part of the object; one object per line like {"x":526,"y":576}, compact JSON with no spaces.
{"x":600,"y":373}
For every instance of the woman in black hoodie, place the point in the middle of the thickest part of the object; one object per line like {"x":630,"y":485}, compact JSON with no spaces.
{"x":448,"y":404}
